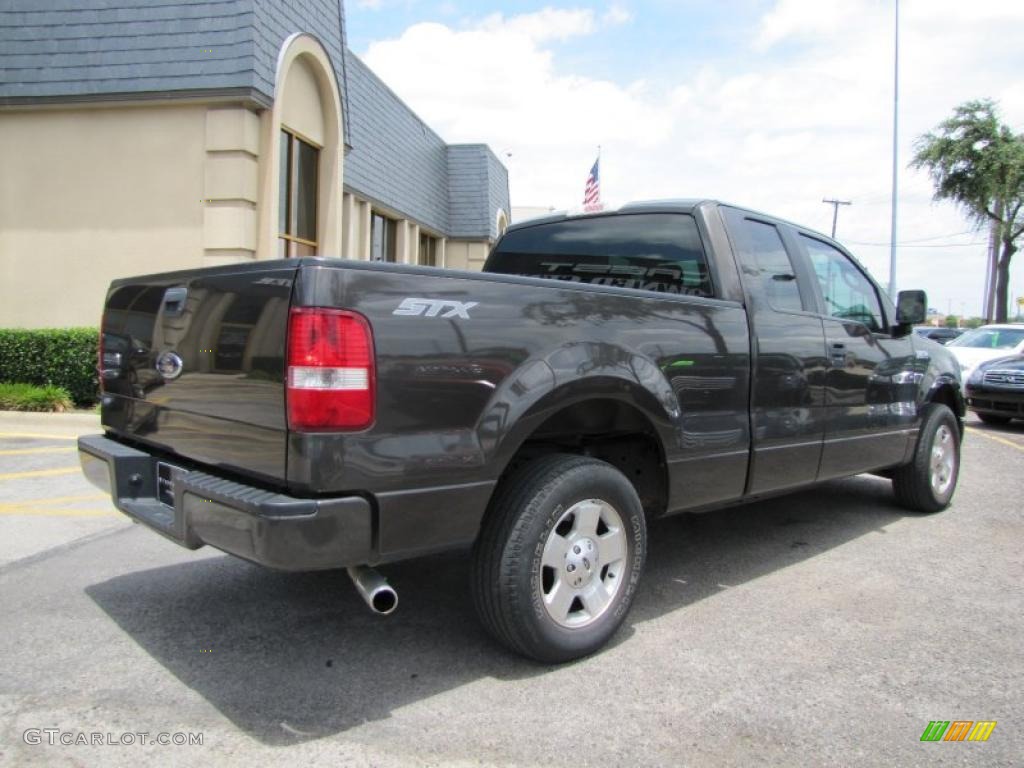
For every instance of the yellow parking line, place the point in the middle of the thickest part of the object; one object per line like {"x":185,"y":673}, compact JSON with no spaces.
{"x":57,"y":512}
{"x":39,"y":473}
{"x":33,"y":451}
{"x":998,"y":439}
{"x":54,"y":500}
{"x":38,"y":436}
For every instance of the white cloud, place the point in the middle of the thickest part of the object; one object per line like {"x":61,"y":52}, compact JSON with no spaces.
{"x":802,"y":19}
{"x":616,"y":14}
{"x":541,"y":26}
{"x":807,"y":114}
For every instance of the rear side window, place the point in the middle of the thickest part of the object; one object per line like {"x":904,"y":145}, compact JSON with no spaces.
{"x":765,"y":259}
{"x":659,"y":252}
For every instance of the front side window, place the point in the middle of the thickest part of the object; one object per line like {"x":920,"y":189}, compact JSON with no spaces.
{"x":659,"y":252}
{"x":848,"y":294}
{"x":296,"y":225}
{"x":765,"y":259}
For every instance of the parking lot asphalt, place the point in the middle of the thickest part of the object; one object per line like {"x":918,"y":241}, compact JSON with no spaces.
{"x":824,"y":628}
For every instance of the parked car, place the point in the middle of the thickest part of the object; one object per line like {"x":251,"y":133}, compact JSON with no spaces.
{"x":995,"y":390}
{"x":986,"y":343}
{"x":941,"y":335}
{"x":604,"y":370}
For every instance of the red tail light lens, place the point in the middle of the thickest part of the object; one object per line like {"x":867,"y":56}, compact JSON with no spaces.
{"x":330,"y":379}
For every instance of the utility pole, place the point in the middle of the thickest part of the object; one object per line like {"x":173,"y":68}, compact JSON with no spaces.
{"x":895,"y":154}
{"x":835,"y":211}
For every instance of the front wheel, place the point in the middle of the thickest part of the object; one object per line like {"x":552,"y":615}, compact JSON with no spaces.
{"x":927,"y":483}
{"x":559,"y":558}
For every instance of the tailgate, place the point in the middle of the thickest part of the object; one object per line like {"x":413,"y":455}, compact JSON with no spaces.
{"x":192,"y":363}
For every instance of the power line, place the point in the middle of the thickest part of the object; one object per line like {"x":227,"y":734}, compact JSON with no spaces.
{"x":937,"y":237}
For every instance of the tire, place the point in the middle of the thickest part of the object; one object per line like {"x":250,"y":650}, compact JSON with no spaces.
{"x":927,"y":483}
{"x":993,"y":418}
{"x":559,"y":557}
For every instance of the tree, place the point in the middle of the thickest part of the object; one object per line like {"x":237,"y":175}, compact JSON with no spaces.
{"x":952,"y":321}
{"x":977,"y":162}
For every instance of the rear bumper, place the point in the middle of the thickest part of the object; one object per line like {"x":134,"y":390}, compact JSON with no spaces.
{"x":268,"y":528}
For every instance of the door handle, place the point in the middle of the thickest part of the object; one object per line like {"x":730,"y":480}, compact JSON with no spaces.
{"x":837,"y":355}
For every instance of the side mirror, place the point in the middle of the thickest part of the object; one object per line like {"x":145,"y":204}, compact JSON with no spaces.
{"x":911,"y":307}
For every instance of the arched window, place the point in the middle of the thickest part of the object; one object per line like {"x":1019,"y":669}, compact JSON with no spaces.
{"x":308,"y":162}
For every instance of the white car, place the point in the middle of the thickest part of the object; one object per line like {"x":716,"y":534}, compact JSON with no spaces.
{"x":986,"y":343}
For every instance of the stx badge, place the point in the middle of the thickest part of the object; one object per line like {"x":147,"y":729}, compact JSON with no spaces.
{"x":434,"y":308}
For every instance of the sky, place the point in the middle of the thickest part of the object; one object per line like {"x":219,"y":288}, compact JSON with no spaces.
{"x":769,"y":104}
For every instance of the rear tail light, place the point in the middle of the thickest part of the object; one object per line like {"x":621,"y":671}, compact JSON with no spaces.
{"x":330,"y":378}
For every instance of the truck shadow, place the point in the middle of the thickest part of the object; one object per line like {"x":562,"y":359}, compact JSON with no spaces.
{"x":294,"y":657}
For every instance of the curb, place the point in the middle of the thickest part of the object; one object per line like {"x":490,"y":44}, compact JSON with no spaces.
{"x":57,"y":424}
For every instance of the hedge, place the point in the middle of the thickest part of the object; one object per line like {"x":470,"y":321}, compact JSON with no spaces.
{"x":61,"y":357}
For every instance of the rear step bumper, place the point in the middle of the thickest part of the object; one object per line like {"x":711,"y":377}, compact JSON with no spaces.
{"x":268,"y":528}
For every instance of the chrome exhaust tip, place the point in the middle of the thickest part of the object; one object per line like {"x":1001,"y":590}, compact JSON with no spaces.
{"x":374,"y":589}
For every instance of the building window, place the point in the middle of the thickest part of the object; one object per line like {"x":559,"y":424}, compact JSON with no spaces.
{"x":297,"y":197}
{"x":428,"y":251}
{"x":382,"y":238}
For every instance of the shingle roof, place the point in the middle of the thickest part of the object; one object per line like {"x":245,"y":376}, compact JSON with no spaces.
{"x":80,"y":50}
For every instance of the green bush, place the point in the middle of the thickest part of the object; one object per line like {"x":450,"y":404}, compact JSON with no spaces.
{"x":57,"y":357}
{"x":26,"y":397}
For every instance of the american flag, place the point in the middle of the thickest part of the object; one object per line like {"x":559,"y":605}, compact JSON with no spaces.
{"x":592,"y":192}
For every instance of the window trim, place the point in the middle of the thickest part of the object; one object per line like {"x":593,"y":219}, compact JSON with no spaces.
{"x":431,"y":238}
{"x":291,"y":211}
{"x":389,"y":223}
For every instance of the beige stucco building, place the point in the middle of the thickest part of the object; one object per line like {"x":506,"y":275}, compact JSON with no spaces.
{"x":174,"y":137}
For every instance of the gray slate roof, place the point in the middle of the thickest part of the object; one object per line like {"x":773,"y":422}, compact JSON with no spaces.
{"x":62,"y":51}
{"x":69,"y":50}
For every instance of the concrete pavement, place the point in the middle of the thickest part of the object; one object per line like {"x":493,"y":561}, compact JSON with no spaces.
{"x":825,"y":628}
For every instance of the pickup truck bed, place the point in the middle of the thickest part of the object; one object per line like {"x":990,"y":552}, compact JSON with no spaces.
{"x":319,"y":413}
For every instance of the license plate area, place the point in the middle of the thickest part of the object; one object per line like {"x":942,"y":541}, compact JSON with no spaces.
{"x":165,"y":474}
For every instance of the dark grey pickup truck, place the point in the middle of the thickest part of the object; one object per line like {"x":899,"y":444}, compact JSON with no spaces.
{"x":604,"y":370}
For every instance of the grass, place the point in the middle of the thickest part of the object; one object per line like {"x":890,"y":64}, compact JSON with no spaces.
{"x":27,"y":397}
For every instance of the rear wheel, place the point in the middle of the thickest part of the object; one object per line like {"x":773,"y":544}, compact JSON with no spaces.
{"x":559,"y":558}
{"x":927,"y":483}
{"x":992,"y":418}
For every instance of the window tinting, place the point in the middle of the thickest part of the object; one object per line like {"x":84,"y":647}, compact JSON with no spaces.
{"x":848,"y":294}
{"x":765,"y":259}
{"x":659,"y":252}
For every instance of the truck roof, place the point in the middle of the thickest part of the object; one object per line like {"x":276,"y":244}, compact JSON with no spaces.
{"x":670,"y":205}
{"x":673,"y":205}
